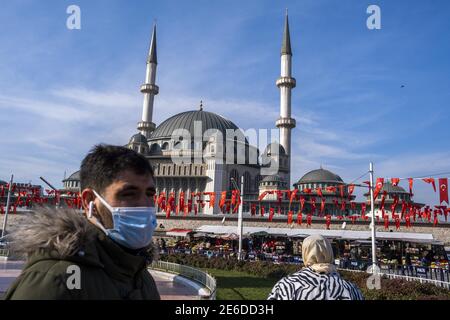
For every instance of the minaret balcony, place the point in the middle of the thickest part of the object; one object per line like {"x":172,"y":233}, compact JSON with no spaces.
{"x":146,"y":126}
{"x":286,"y":82}
{"x":150,"y":88}
{"x":285,"y":123}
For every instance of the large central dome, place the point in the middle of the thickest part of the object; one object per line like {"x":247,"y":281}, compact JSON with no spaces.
{"x":185,"y":120}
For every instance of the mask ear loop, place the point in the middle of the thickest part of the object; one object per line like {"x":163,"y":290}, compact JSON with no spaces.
{"x":94,"y":219}
{"x":91,"y":208}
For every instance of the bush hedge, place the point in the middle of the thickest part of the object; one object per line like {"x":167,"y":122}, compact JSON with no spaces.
{"x":391,"y":289}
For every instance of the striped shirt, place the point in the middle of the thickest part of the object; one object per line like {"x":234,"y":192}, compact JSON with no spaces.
{"x":307,"y":284}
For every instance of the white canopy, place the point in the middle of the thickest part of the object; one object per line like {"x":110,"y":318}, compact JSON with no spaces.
{"x":333,"y":234}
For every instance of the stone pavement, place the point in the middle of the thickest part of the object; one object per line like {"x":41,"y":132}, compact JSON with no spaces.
{"x":168,"y":289}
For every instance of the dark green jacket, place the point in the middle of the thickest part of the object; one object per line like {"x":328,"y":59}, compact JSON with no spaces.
{"x":69,"y":258}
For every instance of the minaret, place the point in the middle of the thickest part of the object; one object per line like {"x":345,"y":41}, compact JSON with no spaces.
{"x":285,"y":123}
{"x":149,"y":89}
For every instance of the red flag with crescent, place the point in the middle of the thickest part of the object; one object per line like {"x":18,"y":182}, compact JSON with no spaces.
{"x":443,"y":190}
{"x":351,"y":188}
{"x":290,"y":216}
{"x":395,"y":181}
{"x":378,"y":186}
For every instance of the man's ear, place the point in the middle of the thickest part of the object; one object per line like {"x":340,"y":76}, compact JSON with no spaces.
{"x":87,"y":195}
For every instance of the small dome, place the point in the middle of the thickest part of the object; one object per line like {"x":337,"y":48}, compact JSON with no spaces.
{"x":389,"y":188}
{"x":320,"y":175}
{"x":74,"y":176}
{"x":3,"y":182}
{"x":138,"y":138}
{"x":273,"y":178}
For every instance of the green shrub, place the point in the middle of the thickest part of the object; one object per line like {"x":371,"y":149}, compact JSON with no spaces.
{"x":391,"y":289}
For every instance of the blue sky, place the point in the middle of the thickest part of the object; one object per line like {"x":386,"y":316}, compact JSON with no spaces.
{"x":64,"y":90}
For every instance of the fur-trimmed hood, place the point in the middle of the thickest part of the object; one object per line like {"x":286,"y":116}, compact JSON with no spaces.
{"x":64,"y":232}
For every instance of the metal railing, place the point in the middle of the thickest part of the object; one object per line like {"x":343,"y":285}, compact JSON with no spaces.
{"x":438,"y":283}
{"x":191,"y":273}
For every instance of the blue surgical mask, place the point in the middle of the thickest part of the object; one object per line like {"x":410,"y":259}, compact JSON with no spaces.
{"x":133,"y":226}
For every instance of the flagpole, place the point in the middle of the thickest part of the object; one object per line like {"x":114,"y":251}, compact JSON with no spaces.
{"x":7,"y":206}
{"x":372,"y":212}
{"x":240,"y":225}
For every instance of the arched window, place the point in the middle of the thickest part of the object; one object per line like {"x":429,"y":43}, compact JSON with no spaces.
{"x":165,"y":146}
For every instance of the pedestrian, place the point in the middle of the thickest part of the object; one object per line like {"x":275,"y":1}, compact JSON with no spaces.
{"x":319,"y":280}
{"x":102,"y":253}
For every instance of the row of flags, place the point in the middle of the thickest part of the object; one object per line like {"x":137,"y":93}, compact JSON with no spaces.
{"x":170,"y":203}
{"x":442,"y":183}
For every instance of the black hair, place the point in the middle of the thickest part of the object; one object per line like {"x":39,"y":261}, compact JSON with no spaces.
{"x":104,"y":163}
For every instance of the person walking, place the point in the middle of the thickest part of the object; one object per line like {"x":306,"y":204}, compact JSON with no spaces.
{"x":319,"y":280}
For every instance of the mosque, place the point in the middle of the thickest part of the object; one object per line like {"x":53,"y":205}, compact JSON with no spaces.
{"x":205,"y":165}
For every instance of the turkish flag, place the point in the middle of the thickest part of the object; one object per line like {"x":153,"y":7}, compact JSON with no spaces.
{"x":313,"y":205}
{"x":430,"y":180}
{"x":443,"y":190}
{"x":378,"y":186}
{"x":408,"y":221}
{"x":351,"y":188}
{"x":307,"y":190}
{"x":397,"y":223}
{"x":343,"y":205}
{"x":328,"y":221}
{"x":363,"y":209}
{"x":302,"y":203}
{"x":386,"y":222}
{"x":223,"y":197}
{"x":271,"y":214}
{"x":410,"y":182}
{"x":331,"y":189}
{"x":319,"y":192}
{"x":395,"y":181}
{"x":383,"y":198}
{"x":309,"y":219}
{"x":292,"y":197}
{"x":341,"y":188}
{"x":212,"y":199}
{"x":262,"y":211}
{"x":322,"y":205}
{"x":253,"y":209}
{"x":299,"y":218}
{"x":290,"y":216}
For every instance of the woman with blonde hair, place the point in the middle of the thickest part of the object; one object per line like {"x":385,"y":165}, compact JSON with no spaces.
{"x":319,"y":280}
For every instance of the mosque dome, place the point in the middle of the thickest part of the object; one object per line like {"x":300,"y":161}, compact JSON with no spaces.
{"x":320,"y":175}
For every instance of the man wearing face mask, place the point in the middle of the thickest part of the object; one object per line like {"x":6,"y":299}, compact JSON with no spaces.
{"x":102,"y":253}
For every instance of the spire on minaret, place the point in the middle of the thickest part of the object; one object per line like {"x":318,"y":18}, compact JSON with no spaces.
{"x":286,"y":46}
{"x":152,"y":53}
{"x":286,"y":83}
{"x":149,"y":89}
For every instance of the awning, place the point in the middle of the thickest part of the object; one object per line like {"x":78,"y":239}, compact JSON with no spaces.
{"x":331,"y":234}
{"x":178,"y":232}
